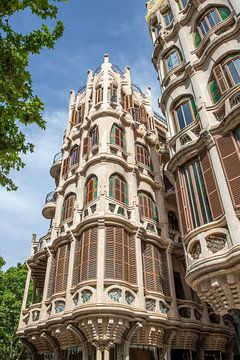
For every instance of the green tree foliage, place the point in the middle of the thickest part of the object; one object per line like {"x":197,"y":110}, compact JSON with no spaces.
{"x":12,"y":282}
{"x":19,"y":106}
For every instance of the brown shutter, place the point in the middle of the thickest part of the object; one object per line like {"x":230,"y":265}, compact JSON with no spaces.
{"x":132,"y":260}
{"x":152,"y":268}
{"x":220,"y":78}
{"x":88,"y":254}
{"x":182,"y":202}
{"x":61,"y":274}
{"x":66,"y":164}
{"x":143,"y":114}
{"x":165,"y":279}
{"x":128,"y":102}
{"x":110,"y":253}
{"x":81,"y":111}
{"x":85,"y":146}
{"x":211,"y":185}
{"x":229,"y":154}
{"x":76,"y":263}
{"x":51,"y":276}
{"x":74,"y":117}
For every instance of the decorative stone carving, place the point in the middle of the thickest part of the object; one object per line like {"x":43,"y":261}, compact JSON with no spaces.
{"x":195,"y":250}
{"x":150,"y":304}
{"x":59,"y":306}
{"x":35,"y":315}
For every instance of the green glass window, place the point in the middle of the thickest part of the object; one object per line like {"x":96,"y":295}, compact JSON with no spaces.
{"x":211,"y":19}
{"x":117,"y":136}
{"x":91,"y":189}
{"x":118,"y":188}
{"x":214,"y":90}
{"x":147,"y":206}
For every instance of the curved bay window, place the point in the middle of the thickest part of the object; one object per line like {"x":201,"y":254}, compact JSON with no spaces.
{"x":172,"y":59}
{"x":208,"y":21}
{"x":91,"y":187}
{"x":120,"y":255}
{"x":225,"y":76}
{"x":185,"y":112}
{"x":117,"y":136}
{"x":68,"y":207}
{"x":147,"y":206}
{"x":118,"y":188}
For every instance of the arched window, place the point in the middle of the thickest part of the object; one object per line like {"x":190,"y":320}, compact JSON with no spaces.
{"x":68,"y":207}
{"x":147,"y":206}
{"x":168,"y":17}
{"x":225,"y":76}
{"x":118,"y":188}
{"x":74,"y":155}
{"x":143,"y":156}
{"x":172,"y":221}
{"x":112,"y":93}
{"x":172,"y":59}
{"x":91,"y":188}
{"x":208,"y":21}
{"x":117,"y":136}
{"x":185,"y":112}
{"x":94,"y":136}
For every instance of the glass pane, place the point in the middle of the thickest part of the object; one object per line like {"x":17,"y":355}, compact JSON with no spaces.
{"x":184,"y":2}
{"x":209,"y":214}
{"x":202,"y":29}
{"x":205,"y":25}
{"x":233,"y":66}
{"x":174,"y":58}
{"x":181,"y":121}
{"x":215,"y":17}
{"x":211,"y":19}
{"x":187,"y":113}
{"x":169,"y":63}
{"x":200,"y":198}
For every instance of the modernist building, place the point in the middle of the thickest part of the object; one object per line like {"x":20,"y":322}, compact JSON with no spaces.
{"x":107,"y":282}
{"x":197,"y":57}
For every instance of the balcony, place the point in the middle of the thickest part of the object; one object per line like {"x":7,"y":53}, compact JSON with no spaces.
{"x":56,"y":166}
{"x":189,"y":310}
{"x":49,"y":208}
{"x":228,"y":104}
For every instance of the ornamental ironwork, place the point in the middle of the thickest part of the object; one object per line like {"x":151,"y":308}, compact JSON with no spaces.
{"x":129,"y":298}
{"x":59,"y":306}
{"x":86,"y":295}
{"x":196,"y":250}
{"x":115,"y":294}
{"x":216,"y":242}
{"x":35,"y":315}
{"x":150,"y":304}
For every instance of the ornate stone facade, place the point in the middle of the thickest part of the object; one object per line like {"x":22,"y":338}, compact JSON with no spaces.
{"x":197,"y":57}
{"x":107,"y":282}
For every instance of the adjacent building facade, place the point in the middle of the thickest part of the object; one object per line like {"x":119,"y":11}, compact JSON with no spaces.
{"x":197,"y":57}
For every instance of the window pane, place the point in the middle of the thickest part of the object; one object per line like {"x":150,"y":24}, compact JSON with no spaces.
{"x":169,"y":63}
{"x":233,"y":66}
{"x":174,"y":58}
{"x":184,"y":2}
{"x":202,"y":29}
{"x":215,"y":17}
{"x":205,"y":25}
{"x":187,"y":113}
{"x":181,"y":121}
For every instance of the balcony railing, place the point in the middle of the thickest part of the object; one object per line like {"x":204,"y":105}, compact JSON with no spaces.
{"x":50,"y":205}
{"x":228,"y":103}
{"x":56,"y":165}
{"x":57,"y":157}
{"x":190,"y":310}
{"x":51,"y":197}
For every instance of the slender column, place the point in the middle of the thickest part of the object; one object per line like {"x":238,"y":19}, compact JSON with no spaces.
{"x":70,"y":275}
{"x":232,"y":221}
{"x":140,"y":281}
{"x":100,"y":261}
{"x":106,"y":354}
{"x":99,"y":354}
{"x":45,"y":290}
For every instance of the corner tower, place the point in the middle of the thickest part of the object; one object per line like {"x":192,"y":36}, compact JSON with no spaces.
{"x":107,"y":281}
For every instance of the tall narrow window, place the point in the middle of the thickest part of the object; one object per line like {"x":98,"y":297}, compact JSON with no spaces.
{"x":147,"y":207}
{"x":112,"y":93}
{"x":120,"y":255}
{"x":74,"y":155}
{"x":185,"y":112}
{"x":117,"y":136}
{"x":94,"y":136}
{"x":68,"y":207}
{"x":142,"y":155}
{"x":168,"y":17}
{"x":81,"y":111}
{"x":99,"y":95}
{"x":182,"y":4}
{"x":61,"y":274}
{"x":173,"y":59}
{"x":91,"y":189}
{"x":118,"y":189}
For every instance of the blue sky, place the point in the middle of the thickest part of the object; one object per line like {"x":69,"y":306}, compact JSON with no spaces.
{"x":92,"y":29}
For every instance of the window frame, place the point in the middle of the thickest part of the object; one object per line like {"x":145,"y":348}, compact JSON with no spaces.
{"x":74,"y":156}
{"x":68,"y":207}
{"x":98,"y":94}
{"x":90,"y":189}
{"x":168,"y":55}
{"x":143,"y":155}
{"x":165,"y":16}
{"x":147,"y":206}
{"x":205,"y":17}
{"x":121,"y":137}
{"x":94,"y":136}
{"x":118,"y":192}
{"x":177,"y":106}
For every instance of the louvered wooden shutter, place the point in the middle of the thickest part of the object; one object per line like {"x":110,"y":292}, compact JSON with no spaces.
{"x":128,"y":102}
{"x":76,"y":264}
{"x":74,"y":117}
{"x":182,"y":203}
{"x":61,"y":274}
{"x":211,"y":186}
{"x":151,"y":124}
{"x":165,"y":279}
{"x":51,"y":276}
{"x":85,"y":146}
{"x":220,"y":78}
{"x":143,"y":114}
{"x":81,"y":112}
{"x":65,"y":168}
{"x":152,"y":268}
{"x":120,"y":255}
{"x":88,"y":254}
{"x":230,"y":158}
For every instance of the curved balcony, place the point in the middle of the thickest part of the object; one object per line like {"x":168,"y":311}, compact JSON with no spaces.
{"x":49,"y":208}
{"x":189,"y":310}
{"x":56,"y":166}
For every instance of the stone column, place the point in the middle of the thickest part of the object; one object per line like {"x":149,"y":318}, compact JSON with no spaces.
{"x":99,"y":354}
{"x":100,"y":260}
{"x":46,"y":284}
{"x":68,"y":304}
{"x":106,"y":354}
